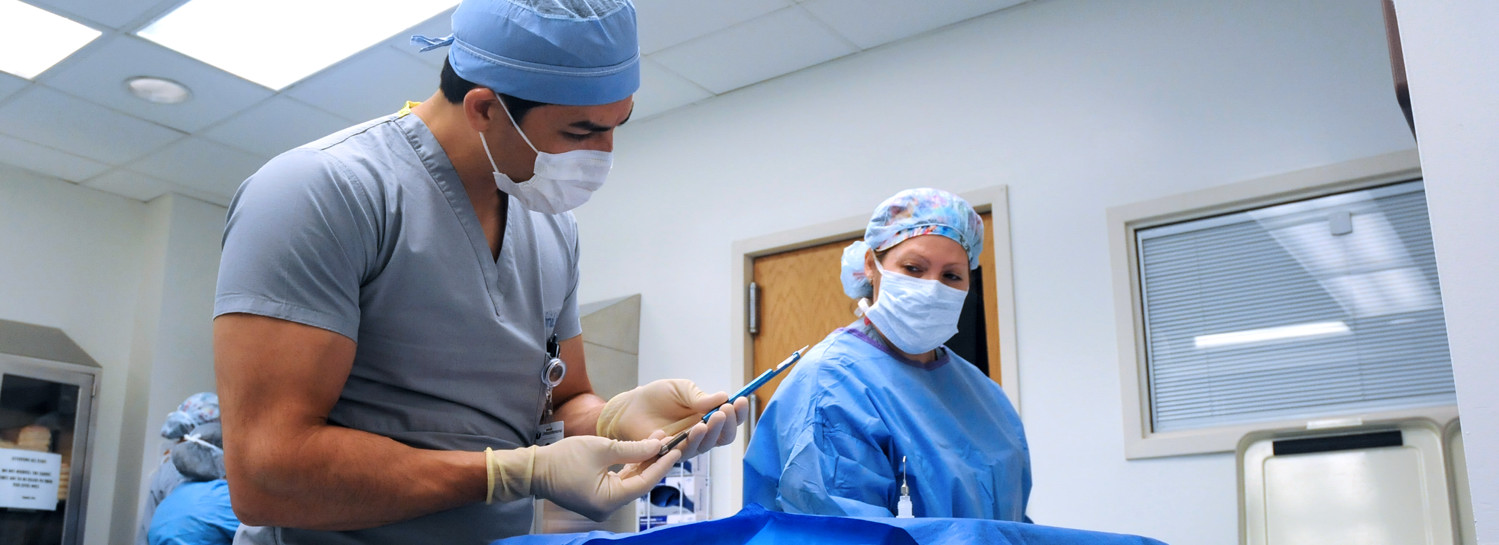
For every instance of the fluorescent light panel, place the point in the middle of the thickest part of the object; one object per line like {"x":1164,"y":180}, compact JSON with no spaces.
{"x":278,"y":42}
{"x":33,"y":39}
{"x":1271,"y":334}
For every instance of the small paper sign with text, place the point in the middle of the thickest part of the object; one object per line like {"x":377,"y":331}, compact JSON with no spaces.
{"x":28,"y":480}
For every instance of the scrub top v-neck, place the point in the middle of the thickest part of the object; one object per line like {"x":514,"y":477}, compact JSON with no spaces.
{"x":369,"y":233}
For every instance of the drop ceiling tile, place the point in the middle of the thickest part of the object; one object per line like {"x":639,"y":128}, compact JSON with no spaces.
{"x":129,"y":184}
{"x":214,"y":198}
{"x":38,"y":158}
{"x":10,"y":85}
{"x":80,"y":127}
{"x":661,"y":90}
{"x":100,"y":75}
{"x":116,"y":14}
{"x":373,"y":83}
{"x":436,"y":27}
{"x":869,"y":23}
{"x":665,"y":23}
{"x":776,"y":44}
{"x":200,"y":164}
{"x":274,"y":126}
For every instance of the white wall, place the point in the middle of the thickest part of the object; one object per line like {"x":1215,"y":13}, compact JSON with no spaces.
{"x":1076,"y":106}
{"x":183,"y":362}
{"x":72,"y":261}
{"x":172,"y":355}
{"x":79,"y":260}
{"x":1451,"y":62}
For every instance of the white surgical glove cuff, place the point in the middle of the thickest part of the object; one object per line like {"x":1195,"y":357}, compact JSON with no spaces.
{"x":509,"y":473}
{"x":613,"y":412}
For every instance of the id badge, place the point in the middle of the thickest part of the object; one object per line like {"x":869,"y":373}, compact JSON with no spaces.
{"x":548,"y":433}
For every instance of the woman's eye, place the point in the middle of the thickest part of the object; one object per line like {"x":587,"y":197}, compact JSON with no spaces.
{"x":577,"y":137}
{"x":954,"y":277}
{"x":914,"y":270}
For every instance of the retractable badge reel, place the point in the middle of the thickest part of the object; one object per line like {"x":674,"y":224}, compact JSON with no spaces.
{"x":552,"y":373}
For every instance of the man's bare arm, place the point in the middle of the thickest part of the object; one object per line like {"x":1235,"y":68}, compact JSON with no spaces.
{"x":277,"y":382}
{"x":577,"y":406}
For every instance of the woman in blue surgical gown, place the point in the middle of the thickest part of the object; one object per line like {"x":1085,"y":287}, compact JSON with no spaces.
{"x":883,"y":389}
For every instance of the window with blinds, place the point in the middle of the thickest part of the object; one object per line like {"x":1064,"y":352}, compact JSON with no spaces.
{"x":1308,"y":309}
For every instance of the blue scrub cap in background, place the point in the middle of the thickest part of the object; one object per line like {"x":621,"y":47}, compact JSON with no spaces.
{"x":199,"y":408}
{"x":912,"y":213}
{"x":570,"y":52}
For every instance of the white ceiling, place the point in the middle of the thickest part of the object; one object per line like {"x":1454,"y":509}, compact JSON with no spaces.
{"x":77,"y":122}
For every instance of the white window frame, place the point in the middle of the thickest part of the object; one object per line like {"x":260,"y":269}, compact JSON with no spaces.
{"x":1140,"y":441}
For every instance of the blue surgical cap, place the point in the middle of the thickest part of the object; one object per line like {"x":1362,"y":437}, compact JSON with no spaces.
{"x":199,"y":408}
{"x":912,"y":213}
{"x":570,"y":52}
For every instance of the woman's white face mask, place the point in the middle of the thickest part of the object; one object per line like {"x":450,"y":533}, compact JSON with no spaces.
{"x":915,"y":314}
{"x":561,"y":181}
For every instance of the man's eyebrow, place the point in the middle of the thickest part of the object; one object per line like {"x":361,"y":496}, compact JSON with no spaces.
{"x":590,"y":126}
{"x":595,"y":127}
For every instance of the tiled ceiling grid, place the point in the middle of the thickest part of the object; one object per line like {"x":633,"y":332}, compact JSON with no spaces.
{"x":77,"y":122}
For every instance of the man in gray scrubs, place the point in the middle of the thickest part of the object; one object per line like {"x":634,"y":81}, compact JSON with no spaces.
{"x":393,"y":297}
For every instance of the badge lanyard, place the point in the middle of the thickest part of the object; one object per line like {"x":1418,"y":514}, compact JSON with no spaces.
{"x":552,"y":372}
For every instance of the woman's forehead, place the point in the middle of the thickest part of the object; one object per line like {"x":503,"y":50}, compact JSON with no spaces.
{"x":933,"y":248}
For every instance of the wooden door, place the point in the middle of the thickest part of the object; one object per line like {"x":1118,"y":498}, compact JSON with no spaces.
{"x":801,"y":300}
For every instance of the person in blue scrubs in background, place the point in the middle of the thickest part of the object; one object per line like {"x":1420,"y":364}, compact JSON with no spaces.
{"x":198,"y":511}
{"x":883,"y":389}
{"x":393,"y":299}
{"x":197,"y":409}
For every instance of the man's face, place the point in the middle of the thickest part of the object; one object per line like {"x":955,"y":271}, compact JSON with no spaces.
{"x":560,"y":129}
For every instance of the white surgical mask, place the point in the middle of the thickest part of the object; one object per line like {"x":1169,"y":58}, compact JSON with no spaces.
{"x":914,"y":314}
{"x":562,"y":181}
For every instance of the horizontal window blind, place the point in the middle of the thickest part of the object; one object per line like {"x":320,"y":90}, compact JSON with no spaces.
{"x":1302,"y":310}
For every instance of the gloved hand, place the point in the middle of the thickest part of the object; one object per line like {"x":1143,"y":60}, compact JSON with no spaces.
{"x":574,"y":473}
{"x":672,"y":405}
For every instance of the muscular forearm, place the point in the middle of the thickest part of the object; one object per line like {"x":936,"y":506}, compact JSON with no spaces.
{"x":277,"y":382}
{"x":333,"y":478}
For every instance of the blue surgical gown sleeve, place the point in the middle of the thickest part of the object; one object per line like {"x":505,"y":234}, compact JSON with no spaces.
{"x":832,"y":438}
{"x":837,"y":461}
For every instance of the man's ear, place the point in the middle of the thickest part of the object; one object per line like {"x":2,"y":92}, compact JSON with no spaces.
{"x":479,"y":108}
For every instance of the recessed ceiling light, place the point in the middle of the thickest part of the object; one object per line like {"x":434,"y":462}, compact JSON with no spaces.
{"x":33,"y":39}
{"x":158,"y":90}
{"x":277,"y":42}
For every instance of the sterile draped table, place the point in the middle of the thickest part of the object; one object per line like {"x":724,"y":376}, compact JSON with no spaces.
{"x":755,"y":525}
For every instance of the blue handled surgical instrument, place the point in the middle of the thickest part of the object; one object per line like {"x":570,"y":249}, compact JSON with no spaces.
{"x":746,"y":390}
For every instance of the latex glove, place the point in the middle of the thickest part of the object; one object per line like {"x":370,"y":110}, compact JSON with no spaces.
{"x":670,"y":406}
{"x":574,"y":473}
